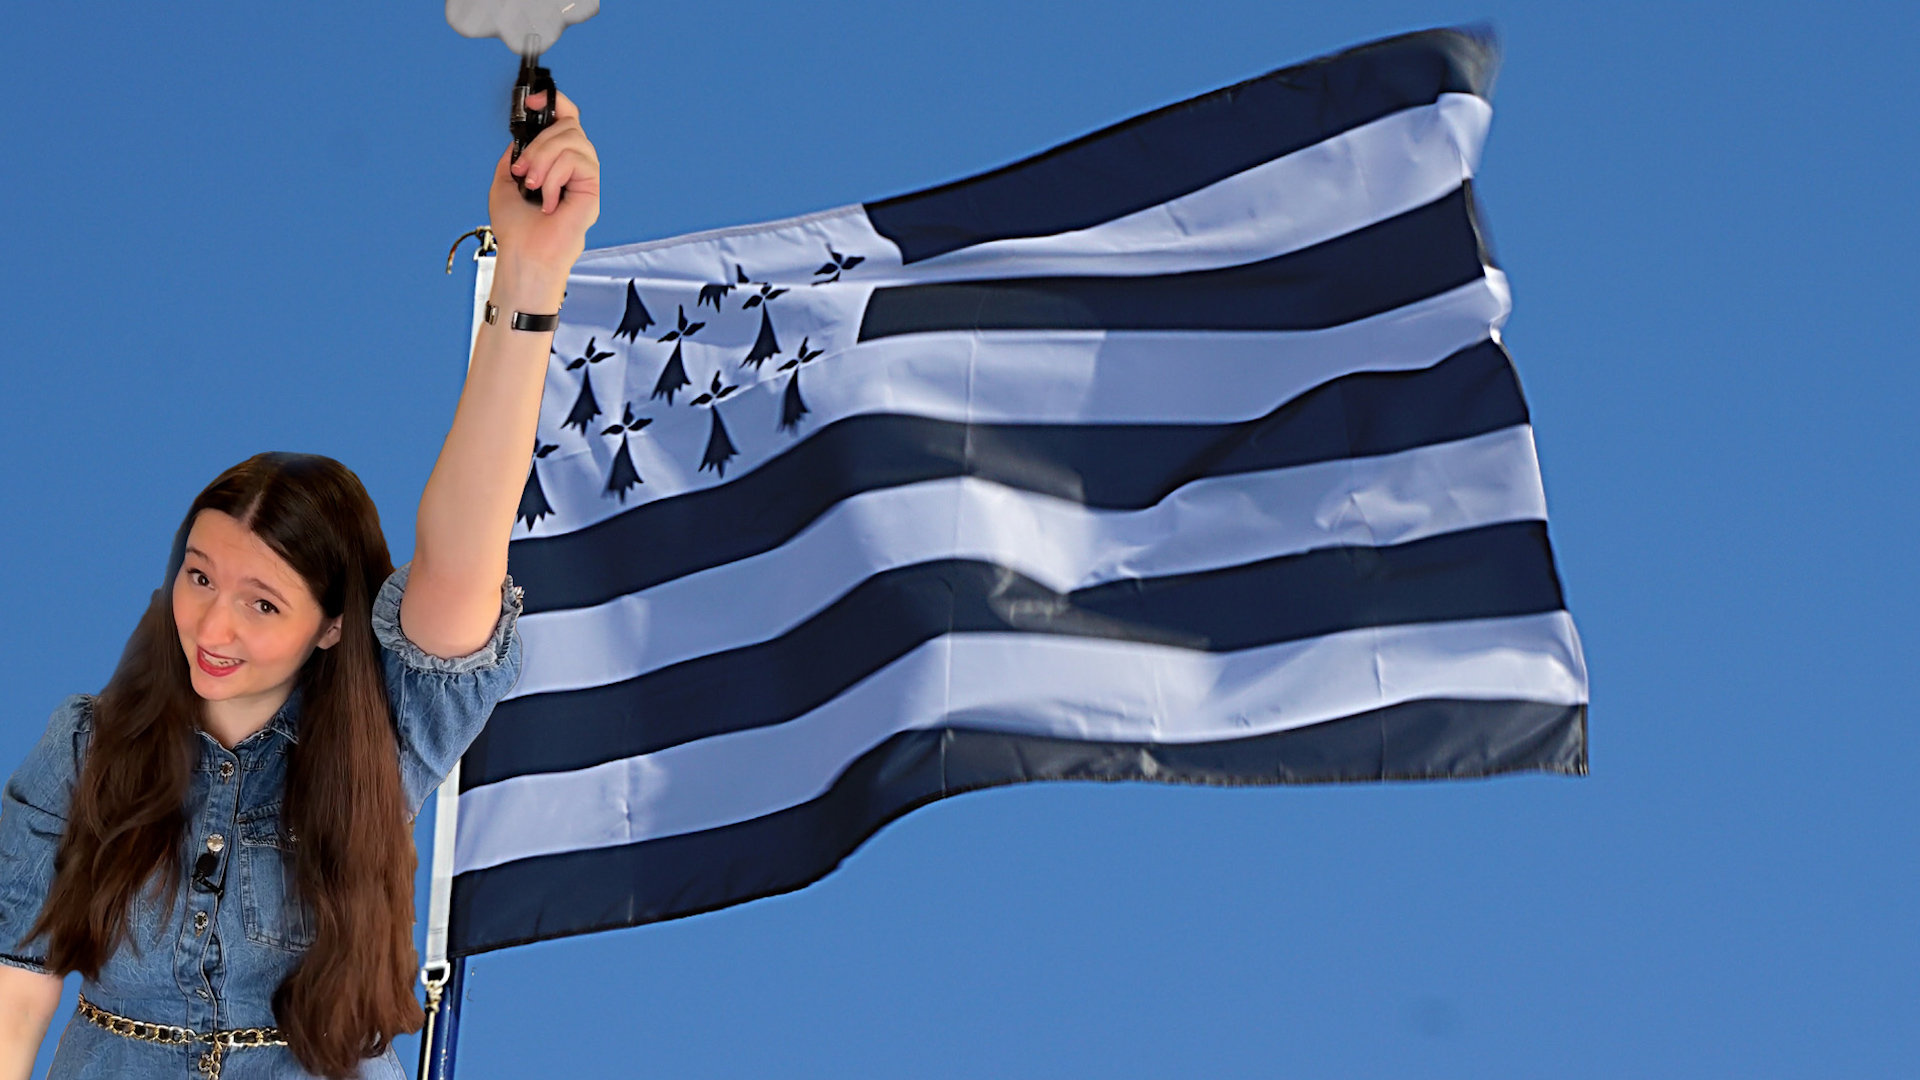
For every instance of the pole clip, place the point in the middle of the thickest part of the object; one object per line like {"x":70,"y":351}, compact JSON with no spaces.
{"x":487,"y":247}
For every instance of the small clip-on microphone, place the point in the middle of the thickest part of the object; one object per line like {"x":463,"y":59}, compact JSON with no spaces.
{"x":203,"y":871}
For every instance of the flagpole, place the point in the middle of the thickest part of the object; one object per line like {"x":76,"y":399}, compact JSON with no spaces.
{"x":442,"y":978}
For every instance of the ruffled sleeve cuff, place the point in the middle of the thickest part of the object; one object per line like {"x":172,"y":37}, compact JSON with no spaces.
{"x":24,"y":963}
{"x":386,"y":628}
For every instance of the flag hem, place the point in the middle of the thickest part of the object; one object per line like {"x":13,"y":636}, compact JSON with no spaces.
{"x":1556,"y":745}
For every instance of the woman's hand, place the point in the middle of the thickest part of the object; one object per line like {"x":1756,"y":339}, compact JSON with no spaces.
{"x":563,"y":168}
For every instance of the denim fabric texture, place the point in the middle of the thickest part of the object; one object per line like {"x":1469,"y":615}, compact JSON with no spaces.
{"x":212,"y":960}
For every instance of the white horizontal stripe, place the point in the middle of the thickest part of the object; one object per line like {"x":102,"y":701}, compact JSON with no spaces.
{"x":1360,"y":177}
{"x":1035,"y":684}
{"x":1220,"y":521}
{"x":1002,"y":377}
{"x":787,"y":250}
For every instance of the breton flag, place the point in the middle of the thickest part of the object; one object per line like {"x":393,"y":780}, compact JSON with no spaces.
{"x":1185,"y":451}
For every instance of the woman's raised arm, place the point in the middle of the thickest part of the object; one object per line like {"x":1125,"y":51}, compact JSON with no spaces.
{"x":466,"y":513}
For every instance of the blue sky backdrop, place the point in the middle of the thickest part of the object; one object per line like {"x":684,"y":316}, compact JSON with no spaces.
{"x":224,"y":232}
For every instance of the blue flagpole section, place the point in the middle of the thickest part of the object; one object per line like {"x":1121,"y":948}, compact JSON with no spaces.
{"x":442,"y":1035}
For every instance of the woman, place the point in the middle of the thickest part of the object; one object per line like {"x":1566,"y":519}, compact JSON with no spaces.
{"x":220,"y":841}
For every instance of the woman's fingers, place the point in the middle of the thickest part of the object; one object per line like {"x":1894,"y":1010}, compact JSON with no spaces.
{"x":537,"y":161}
{"x":563,"y":105}
{"x":543,"y":146}
{"x":553,"y":184}
{"x":561,"y":132}
{"x":570,"y":171}
{"x":541,"y":176}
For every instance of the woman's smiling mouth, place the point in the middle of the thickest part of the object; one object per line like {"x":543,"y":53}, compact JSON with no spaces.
{"x":214,"y":664}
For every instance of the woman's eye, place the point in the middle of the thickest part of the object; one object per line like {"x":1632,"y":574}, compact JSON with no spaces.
{"x":197,"y":577}
{"x":265,"y":607}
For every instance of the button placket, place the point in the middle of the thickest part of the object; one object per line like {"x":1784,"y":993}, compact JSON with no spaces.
{"x":217,"y":825}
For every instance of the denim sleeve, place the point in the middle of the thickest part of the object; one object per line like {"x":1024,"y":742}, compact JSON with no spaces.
{"x":440,"y":704}
{"x":33,"y":814}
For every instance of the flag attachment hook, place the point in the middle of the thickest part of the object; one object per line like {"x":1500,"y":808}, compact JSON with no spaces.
{"x":487,"y":247}
{"x":435,"y":1055}
{"x":434,"y":978}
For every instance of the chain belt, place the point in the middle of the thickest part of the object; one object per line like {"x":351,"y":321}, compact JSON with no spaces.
{"x":218,"y":1042}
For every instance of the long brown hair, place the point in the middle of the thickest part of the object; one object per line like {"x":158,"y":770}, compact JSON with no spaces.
{"x":352,"y":991}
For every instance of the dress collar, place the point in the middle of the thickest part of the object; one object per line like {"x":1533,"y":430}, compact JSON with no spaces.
{"x":286,"y":720}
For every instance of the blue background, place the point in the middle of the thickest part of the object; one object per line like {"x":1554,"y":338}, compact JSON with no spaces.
{"x":224,"y":230}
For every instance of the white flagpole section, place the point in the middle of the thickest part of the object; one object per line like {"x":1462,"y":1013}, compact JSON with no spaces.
{"x":442,"y":979}
{"x":446,"y":823}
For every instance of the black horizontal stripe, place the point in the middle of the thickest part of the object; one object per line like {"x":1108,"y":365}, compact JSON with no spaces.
{"x":1386,"y":265}
{"x":1184,"y":147}
{"x":580,"y":892}
{"x":1105,"y":466}
{"x":1494,"y":571}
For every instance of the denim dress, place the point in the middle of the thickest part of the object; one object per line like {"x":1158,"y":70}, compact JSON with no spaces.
{"x":212,"y":959}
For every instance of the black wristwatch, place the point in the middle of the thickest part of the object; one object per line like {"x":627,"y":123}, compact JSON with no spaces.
{"x":538,"y":324}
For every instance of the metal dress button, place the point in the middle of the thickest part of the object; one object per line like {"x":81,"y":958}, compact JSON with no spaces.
{"x":216,"y":843}
{"x":226,"y":770}
{"x":200,"y":922}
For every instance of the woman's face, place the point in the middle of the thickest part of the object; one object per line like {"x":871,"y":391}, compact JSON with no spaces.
{"x":247,"y":620}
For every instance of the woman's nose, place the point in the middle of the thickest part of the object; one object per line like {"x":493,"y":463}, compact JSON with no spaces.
{"x":216,"y":625}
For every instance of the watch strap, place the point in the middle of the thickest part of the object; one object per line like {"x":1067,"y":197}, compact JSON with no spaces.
{"x":523,"y":321}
